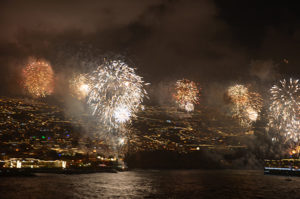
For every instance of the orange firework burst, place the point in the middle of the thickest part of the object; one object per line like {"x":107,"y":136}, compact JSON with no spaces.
{"x":245,"y":105}
{"x":238,"y":94}
{"x":187,"y":94}
{"x":38,"y":78}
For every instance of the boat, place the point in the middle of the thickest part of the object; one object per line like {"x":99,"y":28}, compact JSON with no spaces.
{"x":287,"y":167}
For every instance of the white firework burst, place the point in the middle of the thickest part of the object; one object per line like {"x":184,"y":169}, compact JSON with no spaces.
{"x":284,"y":115}
{"x":115,"y":93}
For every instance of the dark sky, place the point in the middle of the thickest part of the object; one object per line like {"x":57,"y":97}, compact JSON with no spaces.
{"x":221,"y":40}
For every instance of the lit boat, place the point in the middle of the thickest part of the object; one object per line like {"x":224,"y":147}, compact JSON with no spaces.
{"x":290,"y":167}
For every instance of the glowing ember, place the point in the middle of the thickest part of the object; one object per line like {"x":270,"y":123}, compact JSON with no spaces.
{"x":122,"y":114}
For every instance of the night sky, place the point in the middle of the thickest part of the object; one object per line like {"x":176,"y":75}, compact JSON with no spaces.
{"x":206,"y":41}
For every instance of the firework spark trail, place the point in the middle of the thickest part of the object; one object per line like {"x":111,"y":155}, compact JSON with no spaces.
{"x":38,"y":78}
{"x":116,"y":93}
{"x":79,"y":86}
{"x":186,"y":94}
{"x":246,"y":105}
{"x":284,"y":115}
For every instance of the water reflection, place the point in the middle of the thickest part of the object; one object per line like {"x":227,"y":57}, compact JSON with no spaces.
{"x":153,"y":184}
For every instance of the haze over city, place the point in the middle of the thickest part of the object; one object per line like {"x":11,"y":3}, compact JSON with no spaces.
{"x":167,"y":90}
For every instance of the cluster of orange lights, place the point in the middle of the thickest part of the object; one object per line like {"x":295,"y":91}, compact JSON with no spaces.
{"x":38,"y":78}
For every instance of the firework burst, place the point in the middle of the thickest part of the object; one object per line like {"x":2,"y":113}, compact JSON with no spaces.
{"x":38,"y":78}
{"x":79,"y":86}
{"x":284,"y":112}
{"x":116,"y":93}
{"x":186,"y":94}
{"x":246,"y":105}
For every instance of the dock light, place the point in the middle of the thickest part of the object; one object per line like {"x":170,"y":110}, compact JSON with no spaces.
{"x":63,"y":164}
{"x":19,"y":164}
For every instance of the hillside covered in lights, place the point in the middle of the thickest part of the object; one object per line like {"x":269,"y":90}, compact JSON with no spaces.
{"x":33,"y":129}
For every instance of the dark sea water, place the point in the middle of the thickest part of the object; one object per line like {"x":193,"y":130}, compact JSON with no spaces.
{"x":153,"y":184}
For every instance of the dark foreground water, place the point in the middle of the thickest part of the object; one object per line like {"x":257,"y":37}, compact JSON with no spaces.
{"x":153,"y":184}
